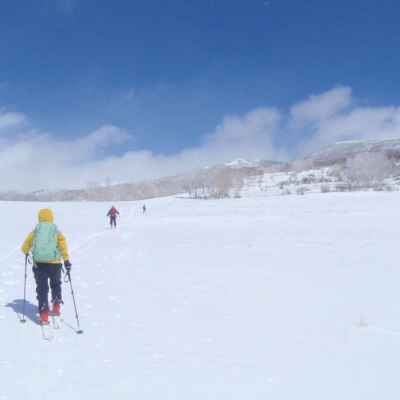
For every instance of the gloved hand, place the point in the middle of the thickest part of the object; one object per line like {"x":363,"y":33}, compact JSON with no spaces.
{"x":67,"y":265}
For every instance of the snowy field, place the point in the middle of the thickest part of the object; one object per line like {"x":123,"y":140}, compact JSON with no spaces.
{"x":293,"y":297}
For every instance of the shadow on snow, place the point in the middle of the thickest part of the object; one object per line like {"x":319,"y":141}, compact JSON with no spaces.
{"x":29,"y":312}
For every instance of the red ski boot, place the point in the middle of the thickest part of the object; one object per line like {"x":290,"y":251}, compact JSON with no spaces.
{"x":56,"y":311}
{"x":44,"y":317}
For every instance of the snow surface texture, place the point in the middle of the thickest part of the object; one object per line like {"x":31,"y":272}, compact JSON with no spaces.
{"x":273,"y":298}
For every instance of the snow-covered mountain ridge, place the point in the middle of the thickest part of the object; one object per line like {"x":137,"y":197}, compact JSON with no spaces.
{"x":346,"y":149}
{"x":344,"y":166}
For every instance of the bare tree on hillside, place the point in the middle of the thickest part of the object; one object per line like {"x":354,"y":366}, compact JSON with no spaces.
{"x":368,"y":169}
{"x":223,"y":183}
{"x":302,"y":165}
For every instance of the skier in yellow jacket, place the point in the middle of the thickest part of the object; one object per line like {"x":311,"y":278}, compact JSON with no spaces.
{"x":49,"y":248}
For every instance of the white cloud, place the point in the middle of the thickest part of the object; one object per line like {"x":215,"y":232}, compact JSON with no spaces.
{"x":321,"y":107}
{"x":96,"y":143}
{"x":249,"y":136}
{"x":334,"y":116}
{"x":33,"y":159}
{"x":36,"y":160}
{"x":11,"y":119}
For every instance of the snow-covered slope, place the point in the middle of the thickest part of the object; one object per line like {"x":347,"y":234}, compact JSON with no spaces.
{"x":240,"y":163}
{"x":347,"y":149}
{"x":291,"y":182}
{"x":279,"y":298}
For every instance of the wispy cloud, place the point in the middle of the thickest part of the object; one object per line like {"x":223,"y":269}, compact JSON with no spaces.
{"x":35,"y":160}
{"x":335,"y":116}
{"x":32,"y":159}
{"x":11,"y":119}
{"x":321,"y":107}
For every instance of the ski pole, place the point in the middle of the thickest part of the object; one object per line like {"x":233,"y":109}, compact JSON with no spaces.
{"x":79,"y":331}
{"x":23,"y":320}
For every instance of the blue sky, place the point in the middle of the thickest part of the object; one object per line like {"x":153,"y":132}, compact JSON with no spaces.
{"x":168,"y":73}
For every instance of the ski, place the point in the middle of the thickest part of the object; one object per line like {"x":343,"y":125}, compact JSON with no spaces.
{"x":55,"y":321}
{"x":47,"y":331}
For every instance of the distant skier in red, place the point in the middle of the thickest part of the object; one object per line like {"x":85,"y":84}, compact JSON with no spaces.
{"x":112,"y":213}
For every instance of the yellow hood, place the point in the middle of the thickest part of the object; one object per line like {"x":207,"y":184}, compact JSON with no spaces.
{"x":46,"y":215}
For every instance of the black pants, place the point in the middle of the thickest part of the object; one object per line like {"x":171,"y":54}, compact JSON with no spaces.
{"x":113,"y":221}
{"x":43,"y":274}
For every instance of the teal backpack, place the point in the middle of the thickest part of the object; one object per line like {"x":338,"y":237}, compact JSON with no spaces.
{"x":45,"y":246}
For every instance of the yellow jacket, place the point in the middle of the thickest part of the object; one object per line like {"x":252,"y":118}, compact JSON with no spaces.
{"x":46,"y":215}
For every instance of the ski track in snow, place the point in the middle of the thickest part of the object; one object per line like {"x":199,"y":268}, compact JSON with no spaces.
{"x":232,"y":299}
